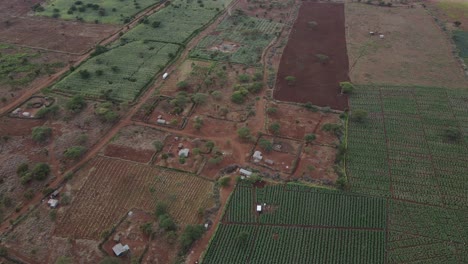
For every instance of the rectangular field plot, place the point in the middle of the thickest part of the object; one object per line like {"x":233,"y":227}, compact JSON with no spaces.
{"x":280,"y":244}
{"x":120,"y":73}
{"x":238,"y":39}
{"x":112,"y":187}
{"x":104,"y":11}
{"x":424,"y":143}
{"x":305,"y":207}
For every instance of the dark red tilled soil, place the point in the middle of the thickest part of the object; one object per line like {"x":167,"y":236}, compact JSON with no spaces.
{"x":316,"y":82}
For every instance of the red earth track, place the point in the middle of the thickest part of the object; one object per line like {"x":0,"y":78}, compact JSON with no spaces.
{"x":316,"y":82}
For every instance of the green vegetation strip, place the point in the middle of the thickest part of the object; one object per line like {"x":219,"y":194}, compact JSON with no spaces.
{"x":100,"y":11}
{"x":239,"y":39}
{"x":461,"y":40}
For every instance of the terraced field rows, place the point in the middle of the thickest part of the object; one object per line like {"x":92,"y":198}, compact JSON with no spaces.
{"x":114,"y":187}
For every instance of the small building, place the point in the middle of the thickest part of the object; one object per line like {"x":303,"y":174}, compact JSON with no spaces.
{"x":184,"y":152}
{"x":165,"y":75}
{"x":120,"y":250}
{"x":381,"y":36}
{"x":245,"y":172}
{"x":116,"y":238}
{"x":269,"y":161}
{"x":259,"y":208}
{"x":54,"y":194}
{"x":26,"y":114}
{"x":161,"y":121}
{"x":53,"y":203}
{"x":257,"y":156}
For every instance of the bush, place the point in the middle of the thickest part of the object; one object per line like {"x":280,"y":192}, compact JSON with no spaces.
{"x":275,"y":128}
{"x":41,"y":171}
{"x":41,"y":133}
{"x":110,"y":260}
{"x":158,"y":145}
{"x":244,"y":133}
{"x":76,"y":104}
{"x":359,"y":115}
{"x":66,"y":199}
{"x":182,"y":85}
{"x":84,"y":74}
{"x":346,"y":87}
{"x":166,"y":223}
{"x":199,"y":98}
{"x":242,"y":238}
{"x":309,"y":138}
{"x":99,"y":50}
{"x":243,"y":78}
{"x":217,"y":95}
{"x":191,"y":234}
{"x":209,"y":145}
{"x":26,"y":178}
{"x":3,"y":251}
{"x":22,"y":169}
{"x":74,"y":152}
{"x":271,"y":110}
{"x":46,"y":111}
{"x":291,"y":80}
{"x":224,"y":181}
{"x":237,"y":97}
{"x":255,"y":87}
{"x":161,"y":209}
{"x":452,"y":134}
{"x":147,"y":228}
{"x":156,"y":24}
{"x":29,"y":194}
{"x":265,"y":144}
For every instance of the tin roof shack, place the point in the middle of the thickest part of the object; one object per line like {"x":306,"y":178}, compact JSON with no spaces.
{"x":257,"y":156}
{"x":53,"y":203}
{"x":259,"y":208}
{"x":120,"y":250}
{"x":245,"y":172}
{"x":184,"y":153}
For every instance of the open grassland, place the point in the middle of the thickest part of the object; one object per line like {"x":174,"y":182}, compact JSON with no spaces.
{"x":299,"y":225}
{"x":104,"y":11}
{"x":121,"y":73}
{"x":402,"y":151}
{"x":413,"y":51}
{"x":177,"y":22}
{"x":455,"y":9}
{"x":238,"y":39}
{"x":112,"y":187}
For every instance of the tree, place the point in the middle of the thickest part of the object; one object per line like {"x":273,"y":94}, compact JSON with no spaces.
{"x":255,"y":87}
{"x":199,"y":98}
{"x":244,"y":133}
{"x":309,"y":138}
{"x":99,"y":50}
{"x":158,"y":145}
{"x":243,"y":78}
{"x":224,"y":181}
{"x":41,"y":171}
{"x":209,"y":145}
{"x":242,"y":238}
{"x":191,"y":234}
{"x":166,"y":223}
{"x":84,"y":74}
{"x":74,"y":152}
{"x":161,"y":209}
{"x":237,"y":97}
{"x":452,"y":134}
{"x":156,"y":24}
{"x":41,"y":133}
{"x":275,"y":128}
{"x":291,"y":80}
{"x":346,"y":87}
{"x":182,"y":85}
{"x":359,"y":115}
{"x":76,"y":104}
{"x":265,"y":144}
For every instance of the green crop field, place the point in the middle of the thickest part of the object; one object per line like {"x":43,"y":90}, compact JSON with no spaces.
{"x":103,"y":11}
{"x":249,"y":35}
{"x":461,"y":40}
{"x":402,"y":150}
{"x":299,"y":225}
{"x":122,"y":71}
{"x":177,"y":22}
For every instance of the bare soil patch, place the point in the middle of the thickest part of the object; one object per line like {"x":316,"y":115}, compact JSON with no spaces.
{"x":19,"y":26}
{"x":316,"y":164}
{"x":413,"y":51}
{"x":317,"y":66}
{"x":276,"y":10}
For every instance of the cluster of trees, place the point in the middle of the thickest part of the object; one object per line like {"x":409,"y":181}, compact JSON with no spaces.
{"x":39,"y":172}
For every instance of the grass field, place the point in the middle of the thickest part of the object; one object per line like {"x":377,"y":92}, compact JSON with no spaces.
{"x":122,"y":186}
{"x":103,"y":11}
{"x":177,"y":22}
{"x":124,"y":70}
{"x":455,"y":9}
{"x":401,"y":150}
{"x":299,"y":225}
{"x":239,"y":39}
{"x":461,"y":40}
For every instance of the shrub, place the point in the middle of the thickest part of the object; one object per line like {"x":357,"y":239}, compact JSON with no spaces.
{"x":182,"y":85}
{"x":41,"y":133}
{"x":41,"y":171}
{"x":191,"y":234}
{"x":265,"y":144}
{"x":156,"y":24}
{"x":147,"y":228}
{"x":452,"y":134}
{"x":309,"y":138}
{"x":22,"y":169}
{"x":110,"y":260}
{"x":217,"y":95}
{"x":224,"y":181}
{"x":29,"y":194}
{"x":76,"y":104}
{"x":46,"y":111}
{"x":166,"y":223}
{"x":244,"y":133}
{"x":242,"y":238}
{"x":26,"y":178}
{"x":322,"y":58}
{"x":53,"y":215}
{"x":258,"y":76}
{"x":199,"y":98}
{"x":275,"y":128}
{"x":215,"y":160}
{"x":66,"y":199}
{"x":182,"y":160}
{"x":237,"y":97}
{"x":271,"y":110}
{"x":99,"y":50}
{"x":243,"y":78}
{"x":359,"y":115}
{"x":74,"y":152}
{"x":346,"y":87}
{"x":255,"y":87}
{"x":84,"y":74}
{"x":158,"y":145}
{"x":161,"y":209}
{"x":291,"y":80}
{"x":209,"y":145}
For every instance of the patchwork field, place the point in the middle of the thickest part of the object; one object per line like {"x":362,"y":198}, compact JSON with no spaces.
{"x":310,"y":70}
{"x":101,"y":11}
{"x":413,"y":51}
{"x":238,"y":39}
{"x":123,"y":185}
{"x":334,"y":228}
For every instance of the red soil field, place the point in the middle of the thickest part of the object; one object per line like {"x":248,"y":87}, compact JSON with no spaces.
{"x":317,"y":80}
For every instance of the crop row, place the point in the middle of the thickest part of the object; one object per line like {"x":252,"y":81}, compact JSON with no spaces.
{"x":274,"y":244}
